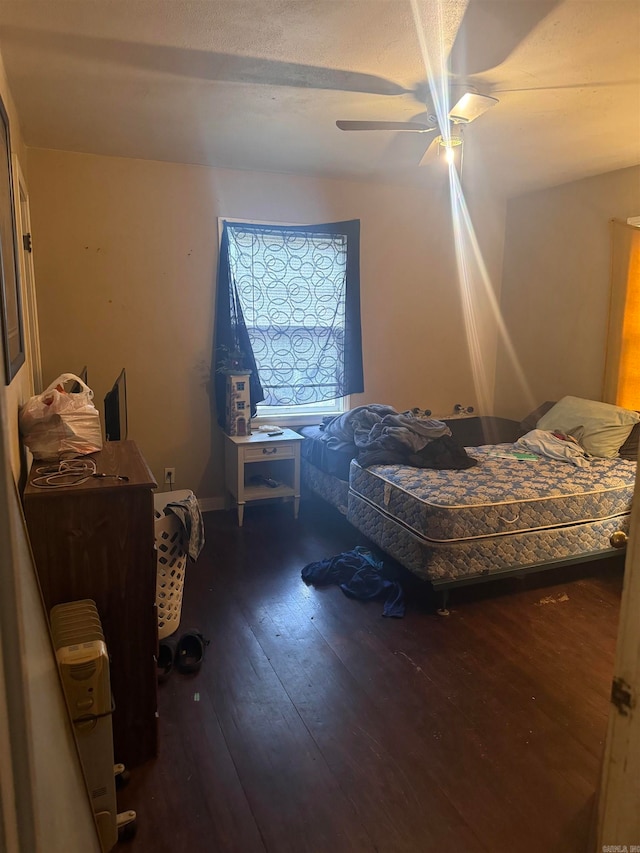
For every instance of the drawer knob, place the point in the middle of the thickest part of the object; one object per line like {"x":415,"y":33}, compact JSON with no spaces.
{"x":268,"y":450}
{"x":618,"y":539}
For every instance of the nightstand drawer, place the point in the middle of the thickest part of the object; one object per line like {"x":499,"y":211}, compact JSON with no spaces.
{"x":264,"y":452}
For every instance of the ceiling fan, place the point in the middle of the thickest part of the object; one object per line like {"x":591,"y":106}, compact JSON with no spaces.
{"x":490,"y":31}
{"x":469,"y":105}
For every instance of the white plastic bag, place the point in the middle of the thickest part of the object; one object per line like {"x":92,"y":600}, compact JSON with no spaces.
{"x":59,"y":424}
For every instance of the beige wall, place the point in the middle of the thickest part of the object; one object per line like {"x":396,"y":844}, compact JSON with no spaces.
{"x":555,"y":289}
{"x":126,"y":253}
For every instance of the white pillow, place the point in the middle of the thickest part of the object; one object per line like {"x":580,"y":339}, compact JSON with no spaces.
{"x":600,"y":428}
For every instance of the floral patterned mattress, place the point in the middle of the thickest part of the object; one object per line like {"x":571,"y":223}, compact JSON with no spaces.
{"x":502,"y":515}
{"x":497,"y":497}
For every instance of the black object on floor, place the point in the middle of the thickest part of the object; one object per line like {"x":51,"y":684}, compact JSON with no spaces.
{"x":166,"y":657}
{"x":190,"y":652}
{"x":359,"y":575}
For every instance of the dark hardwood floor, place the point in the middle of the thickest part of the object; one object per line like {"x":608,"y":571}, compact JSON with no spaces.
{"x":317,"y":725}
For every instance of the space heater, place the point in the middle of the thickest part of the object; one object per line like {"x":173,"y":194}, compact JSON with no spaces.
{"x":83,"y":662}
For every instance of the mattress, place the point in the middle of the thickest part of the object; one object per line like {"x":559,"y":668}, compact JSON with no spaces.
{"x":476,"y":558}
{"x":331,"y":489}
{"x":502,"y":515}
{"x":497,"y":497}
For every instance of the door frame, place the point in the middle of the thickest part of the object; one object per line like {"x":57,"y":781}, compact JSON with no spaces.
{"x":28,"y":279}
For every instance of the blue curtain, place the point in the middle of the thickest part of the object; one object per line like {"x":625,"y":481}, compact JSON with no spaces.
{"x":300,"y":287}
{"x":231,"y":337}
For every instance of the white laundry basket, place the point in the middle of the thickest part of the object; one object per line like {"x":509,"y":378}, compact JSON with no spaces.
{"x":171,"y":546}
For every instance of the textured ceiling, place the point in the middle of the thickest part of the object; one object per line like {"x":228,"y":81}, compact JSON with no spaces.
{"x":259,"y":84}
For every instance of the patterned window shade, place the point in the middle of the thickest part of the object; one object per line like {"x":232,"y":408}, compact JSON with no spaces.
{"x":298,"y":291}
{"x":622,"y":372}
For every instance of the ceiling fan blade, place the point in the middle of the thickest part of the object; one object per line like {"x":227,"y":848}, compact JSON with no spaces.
{"x":411,"y":126}
{"x":272,"y":72}
{"x":431,"y":154}
{"x":470,"y":106}
{"x":491,"y":30}
{"x":200,"y":64}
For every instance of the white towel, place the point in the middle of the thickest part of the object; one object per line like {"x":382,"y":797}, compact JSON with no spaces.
{"x":547,"y":444}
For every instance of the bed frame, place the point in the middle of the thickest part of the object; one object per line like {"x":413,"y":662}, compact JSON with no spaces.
{"x":444,"y":587}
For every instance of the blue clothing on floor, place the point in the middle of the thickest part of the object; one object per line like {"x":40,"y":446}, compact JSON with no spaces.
{"x":359,"y":575}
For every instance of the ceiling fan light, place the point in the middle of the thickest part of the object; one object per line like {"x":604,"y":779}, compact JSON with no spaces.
{"x":451,"y":142}
{"x":470,"y":106}
{"x":450,"y":155}
{"x":450,"y":145}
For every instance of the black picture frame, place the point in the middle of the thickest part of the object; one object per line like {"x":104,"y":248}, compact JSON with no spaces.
{"x":12,"y":324}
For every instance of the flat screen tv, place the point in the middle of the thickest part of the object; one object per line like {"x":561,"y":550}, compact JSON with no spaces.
{"x":115,"y":410}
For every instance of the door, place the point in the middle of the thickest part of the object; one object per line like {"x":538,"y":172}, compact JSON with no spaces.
{"x":619,"y":797}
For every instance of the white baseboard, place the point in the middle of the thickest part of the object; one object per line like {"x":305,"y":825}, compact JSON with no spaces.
{"x":212,"y":504}
{"x":218,"y":504}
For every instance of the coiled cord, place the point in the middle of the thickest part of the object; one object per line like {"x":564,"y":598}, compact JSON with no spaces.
{"x":70,"y":473}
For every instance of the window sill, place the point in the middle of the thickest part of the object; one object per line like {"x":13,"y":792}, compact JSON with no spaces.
{"x":292,"y":421}
{"x":312,"y":417}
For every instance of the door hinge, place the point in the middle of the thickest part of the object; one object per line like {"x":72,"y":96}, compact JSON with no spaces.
{"x":26,"y":242}
{"x":622,"y":696}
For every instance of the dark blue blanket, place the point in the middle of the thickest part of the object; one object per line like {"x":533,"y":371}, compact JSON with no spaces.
{"x":359,"y":575}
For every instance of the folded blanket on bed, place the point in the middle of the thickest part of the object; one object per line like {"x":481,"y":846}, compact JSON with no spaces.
{"x":381,"y":435}
{"x":339,"y":431}
{"x":400,"y":432}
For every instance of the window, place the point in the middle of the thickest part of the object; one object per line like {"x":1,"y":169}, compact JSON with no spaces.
{"x":294,"y":290}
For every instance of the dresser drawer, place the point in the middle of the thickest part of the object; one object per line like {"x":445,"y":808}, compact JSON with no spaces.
{"x":263,"y":452}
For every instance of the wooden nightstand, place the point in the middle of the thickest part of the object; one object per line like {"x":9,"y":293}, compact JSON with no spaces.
{"x":254,"y":461}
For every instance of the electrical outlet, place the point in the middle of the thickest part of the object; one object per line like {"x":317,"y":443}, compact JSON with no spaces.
{"x":170,"y":476}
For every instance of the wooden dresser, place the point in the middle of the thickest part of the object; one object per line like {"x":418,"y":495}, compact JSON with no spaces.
{"x":96,"y":540}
